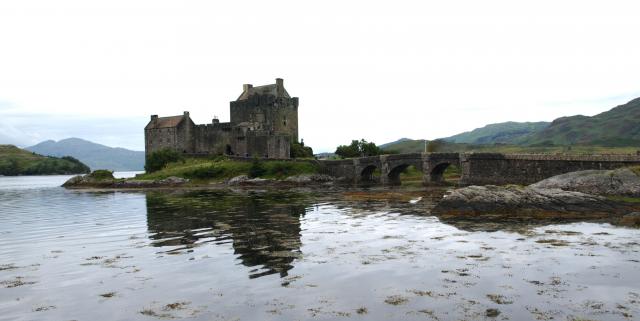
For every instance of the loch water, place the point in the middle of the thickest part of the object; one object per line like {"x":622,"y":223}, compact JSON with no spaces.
{"x":297,"y":255}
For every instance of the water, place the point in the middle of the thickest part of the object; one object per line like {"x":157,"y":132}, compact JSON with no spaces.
{"x":298,"y":255}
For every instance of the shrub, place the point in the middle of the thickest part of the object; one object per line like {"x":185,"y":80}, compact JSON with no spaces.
{"x":207,"y":172}
{"x":159,"y":159}
{"x":257,"y":169}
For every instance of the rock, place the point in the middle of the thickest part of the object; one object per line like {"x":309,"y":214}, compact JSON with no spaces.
{"x":492,"y":313}
{"x":89,"y":180}
{"x":309,"y":179}
{"x":237,"y":180}
{"x":514,"y":202}
{"x":76,"y":180}
{"x":172,"y":180}
{"x":619,"y":182}
{"x":245,"y":180}
{"x":631,"y":219}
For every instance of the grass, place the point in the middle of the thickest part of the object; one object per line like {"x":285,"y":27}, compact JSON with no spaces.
{"x":200,"y":170}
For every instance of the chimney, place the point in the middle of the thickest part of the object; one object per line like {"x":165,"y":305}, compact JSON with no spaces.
{"x":246,"y":87}
{"x":280,"y":87}
{"x":154,"y":117}
{"x":215,"y":120}
{"x":186,"y":114}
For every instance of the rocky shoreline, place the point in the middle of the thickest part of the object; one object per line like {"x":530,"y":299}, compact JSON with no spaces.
{"x":89,"y":182}
{"x":586,"y":195}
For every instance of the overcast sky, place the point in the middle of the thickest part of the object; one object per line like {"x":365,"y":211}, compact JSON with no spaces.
{"x":378,"y":70}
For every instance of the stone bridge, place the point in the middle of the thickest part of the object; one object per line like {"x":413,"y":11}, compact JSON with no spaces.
{"x":476,"y":168}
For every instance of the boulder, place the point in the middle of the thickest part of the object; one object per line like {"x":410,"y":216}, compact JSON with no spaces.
{"x":619,"y":182}
{"x":237,"y":180}
{"x":524,"y":202}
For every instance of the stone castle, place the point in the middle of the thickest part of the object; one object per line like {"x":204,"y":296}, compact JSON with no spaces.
{"x":264,"y":123}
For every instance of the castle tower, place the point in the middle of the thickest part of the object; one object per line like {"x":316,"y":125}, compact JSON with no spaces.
{"x":263,"y":111}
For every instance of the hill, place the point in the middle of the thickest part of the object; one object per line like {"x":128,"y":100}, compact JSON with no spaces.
{"x":96,"y":156}
{"x":500,"y":133}
{"x":619,"y":126}
{"x":15,"y":161}
{"x":404,"y":145}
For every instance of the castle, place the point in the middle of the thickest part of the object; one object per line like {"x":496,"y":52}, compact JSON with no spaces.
{"x":264,"y":123}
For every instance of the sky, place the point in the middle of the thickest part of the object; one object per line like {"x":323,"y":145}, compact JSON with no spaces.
{"x":378,"y":70}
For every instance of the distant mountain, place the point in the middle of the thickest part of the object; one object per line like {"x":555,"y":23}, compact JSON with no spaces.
{"x":15,"y":161}
{"x":619,"y":126}
{"x":96,"y":156}
{"x":500,"y":133}
{"x":384,"y":146}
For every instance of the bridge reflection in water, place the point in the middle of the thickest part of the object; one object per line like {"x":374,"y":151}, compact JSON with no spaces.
{"x":263,"y":229}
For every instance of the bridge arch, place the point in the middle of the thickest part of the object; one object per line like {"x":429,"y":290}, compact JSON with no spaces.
{"x":393,"y":178}
{"x":436,"y":174}
{"x":368,"y":174}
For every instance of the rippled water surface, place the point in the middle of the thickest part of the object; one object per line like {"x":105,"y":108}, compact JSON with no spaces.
{"x":296,"y":255}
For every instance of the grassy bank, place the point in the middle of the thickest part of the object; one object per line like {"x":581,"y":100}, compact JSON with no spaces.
{"x":219,"y":169}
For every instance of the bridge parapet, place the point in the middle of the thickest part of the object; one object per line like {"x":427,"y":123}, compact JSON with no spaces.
{"x":524,"y":169}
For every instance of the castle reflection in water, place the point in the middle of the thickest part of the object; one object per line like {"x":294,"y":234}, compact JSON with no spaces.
{"x":263,"y":228}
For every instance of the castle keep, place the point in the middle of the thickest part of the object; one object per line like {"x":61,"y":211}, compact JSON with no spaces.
{"x":264,"y":123}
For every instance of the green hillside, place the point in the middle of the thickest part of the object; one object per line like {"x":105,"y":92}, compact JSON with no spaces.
{"x":500,"y":133}
{"x":15,"y":161}
{"x":619,"y":126}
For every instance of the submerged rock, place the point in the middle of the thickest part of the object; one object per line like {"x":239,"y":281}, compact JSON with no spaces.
{"x":618,"y":182}
{"x":527,"y":202}
{"x":631,"y":219}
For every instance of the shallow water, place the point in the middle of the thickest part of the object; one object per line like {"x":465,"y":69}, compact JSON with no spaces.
{"x":213,"y":255}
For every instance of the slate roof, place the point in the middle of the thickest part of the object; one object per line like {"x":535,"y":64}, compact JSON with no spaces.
{"x":165,"y":122}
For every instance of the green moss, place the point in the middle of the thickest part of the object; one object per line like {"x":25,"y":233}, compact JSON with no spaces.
{"x":102,"y":174}
{"x":625,"y":199}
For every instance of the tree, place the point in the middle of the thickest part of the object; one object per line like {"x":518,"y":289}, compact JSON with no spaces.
{"x":360,"y":148}
{"x":298,"y":150}
{"x":159,"y":159}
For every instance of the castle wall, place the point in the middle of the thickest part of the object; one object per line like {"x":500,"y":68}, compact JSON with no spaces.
{"x":262,"y":145}
{"x":212,"y":138}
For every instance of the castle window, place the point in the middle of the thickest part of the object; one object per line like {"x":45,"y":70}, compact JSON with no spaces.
{"x":285,"y":121}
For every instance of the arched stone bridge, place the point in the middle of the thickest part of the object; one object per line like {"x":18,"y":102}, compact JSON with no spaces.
{"x":476,"y":168}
